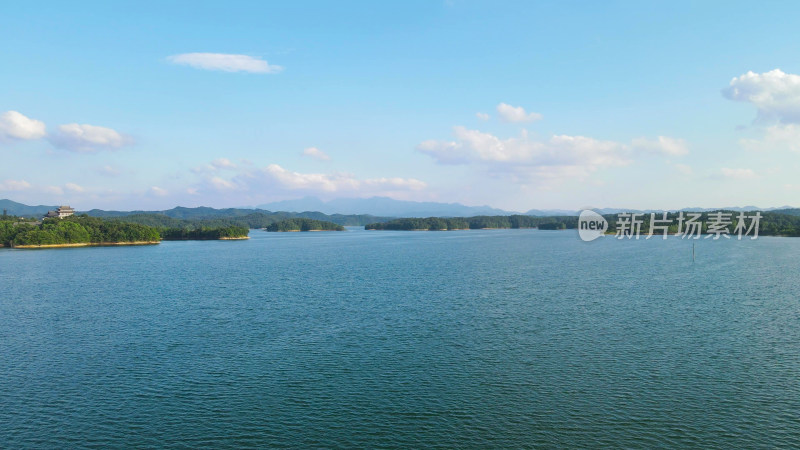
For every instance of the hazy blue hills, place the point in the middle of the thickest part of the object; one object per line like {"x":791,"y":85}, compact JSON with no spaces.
{"x":383,"y":206}
{"x":180,"y":212}
{"x":605,"y":211}
{"x":347,"y":212}
{"x":254,"y":218}
{"x":20,"y":210}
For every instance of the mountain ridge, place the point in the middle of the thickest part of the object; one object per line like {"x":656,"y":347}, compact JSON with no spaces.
{"x":382,"y":206}
{"x":332,"y":208}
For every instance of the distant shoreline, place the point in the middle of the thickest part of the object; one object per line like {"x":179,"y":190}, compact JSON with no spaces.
{"x":463,"y":229}
{"x":87,"y":244}
{"x":293,"y":231}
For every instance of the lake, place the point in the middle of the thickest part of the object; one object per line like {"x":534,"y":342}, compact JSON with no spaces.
{"x":483,"y":338}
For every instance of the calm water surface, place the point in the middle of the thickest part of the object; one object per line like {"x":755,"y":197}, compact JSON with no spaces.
{"x":497,"y":338}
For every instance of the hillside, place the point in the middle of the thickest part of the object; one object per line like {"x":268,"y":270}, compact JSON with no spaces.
{"x":382,"y":206}
{"x":21,"y":210}
{"x":252,"y":218}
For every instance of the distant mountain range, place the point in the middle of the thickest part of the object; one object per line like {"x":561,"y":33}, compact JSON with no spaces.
{"x":383,"y":206}
{"x":18,"y":209}
{"x":606,"y":211}
{"x":367,"y":208}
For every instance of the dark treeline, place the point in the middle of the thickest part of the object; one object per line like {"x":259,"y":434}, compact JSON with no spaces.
{"x":771,"y":223}
{"x":210,"y":217}
{"x":301,"y":224}
{"x":203,"y":233}
{"x":74,"y":230}
{"x":477,"y":222}
{"x":783,"y":223}
{"x":252,"y":220}
{"x":83,"y":229}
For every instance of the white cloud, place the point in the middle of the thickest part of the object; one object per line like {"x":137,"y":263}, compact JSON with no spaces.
{"x":72,"y":187}
{"x":221,"y":184}
{"x":776,"y":94}
{"x":482,"y":116}
{"x":224,"y":62}
{"x":223,"y":163}
{"x":510,"y":113}
{"x":88,"y":138}
{"x":738,"y":174}
{"x":316,"y":153}
{"x":337,"y":182}
{"x":215,"y":166}
{"x":14,"y":125}
{"x":274,"y":179}
{"x":158,"y":192}
{"x":662,"y":145}
{"x":526,"y":159}
{"x":14,"y":185}
{"x":472,"y":146}
{"x":776,"y":137}
{"x":309,"y":181}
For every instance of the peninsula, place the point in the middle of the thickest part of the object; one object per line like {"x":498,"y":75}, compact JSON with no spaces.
{"x":83,"y":231}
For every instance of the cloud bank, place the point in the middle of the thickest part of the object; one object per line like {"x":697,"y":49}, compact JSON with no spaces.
{"x":224,"y":62}
{"x":776,"y":94}
{"x":274,"y":181}
{"x":560,"y":156}
{"x":88,"y":138}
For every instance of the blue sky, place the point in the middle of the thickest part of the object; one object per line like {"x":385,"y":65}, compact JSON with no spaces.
{"x":517,"y":105}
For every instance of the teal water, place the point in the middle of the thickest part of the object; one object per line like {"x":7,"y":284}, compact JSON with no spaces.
{"x":496,"y":338}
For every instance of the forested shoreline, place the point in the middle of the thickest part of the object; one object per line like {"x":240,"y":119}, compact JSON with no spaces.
{"x":84,"y":230}
{"x":473,"y":223}
{"x":74,"y":230}
{"x":785,"y":223}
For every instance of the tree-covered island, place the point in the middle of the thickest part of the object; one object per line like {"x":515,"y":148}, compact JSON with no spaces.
{"x":302,"y":224}
{"x":205,"y":233}
{"x":473,"y":223}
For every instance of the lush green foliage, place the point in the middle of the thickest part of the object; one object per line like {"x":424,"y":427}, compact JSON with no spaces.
{"x":300,"y":224}
{"x":783,"y":223}
{"x":251,"y":220}
{"x":477,"y":222}
{"x":84,"y":229}
{"x":210,"y":217}
{"x":178,"y":234}
{"x":771,"y":223}
{"x":788,"y":211}
{"x":553,"y":226}
{"x":74,"y":230}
